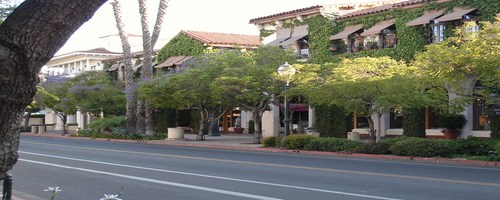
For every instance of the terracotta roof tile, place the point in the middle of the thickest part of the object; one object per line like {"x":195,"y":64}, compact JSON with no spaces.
{"x":367,"y":11}
{"x":290,"y":13}
{"x":224,"y":39}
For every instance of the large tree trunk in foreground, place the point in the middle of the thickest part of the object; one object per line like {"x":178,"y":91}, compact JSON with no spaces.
{"x":29,"y":38}
{"x":129,"y":71}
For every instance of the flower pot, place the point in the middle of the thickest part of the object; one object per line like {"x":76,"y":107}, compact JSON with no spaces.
{"x":238,"y":129}
{"x":450,"y":134}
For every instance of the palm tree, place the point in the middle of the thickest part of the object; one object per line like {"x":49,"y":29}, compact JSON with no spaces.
{"x":129,"y":72}
{"x":148,"y":42}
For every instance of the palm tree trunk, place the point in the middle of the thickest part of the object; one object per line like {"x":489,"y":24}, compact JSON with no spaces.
{"x":129,"y":72}
{"x":147,"y":67}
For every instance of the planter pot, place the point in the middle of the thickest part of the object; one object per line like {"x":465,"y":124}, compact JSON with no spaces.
{"x":238,"y":129}
{"x":175,"y":133}
{"x":450,"y":134}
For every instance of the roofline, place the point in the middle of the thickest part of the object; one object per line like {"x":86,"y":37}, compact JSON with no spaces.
{"x":205,"y":43}
{"x":400,"y":5}
{"x":301,"y":11}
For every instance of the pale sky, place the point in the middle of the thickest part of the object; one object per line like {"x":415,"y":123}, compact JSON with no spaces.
{"x":226,"y":16}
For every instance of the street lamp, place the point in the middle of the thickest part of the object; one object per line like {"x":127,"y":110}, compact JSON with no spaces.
{"x":287,"y":71}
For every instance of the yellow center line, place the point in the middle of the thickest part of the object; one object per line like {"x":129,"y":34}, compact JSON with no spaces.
{"x":284,"y":166}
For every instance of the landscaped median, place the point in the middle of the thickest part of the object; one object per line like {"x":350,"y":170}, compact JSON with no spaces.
{"x":472,"y":148}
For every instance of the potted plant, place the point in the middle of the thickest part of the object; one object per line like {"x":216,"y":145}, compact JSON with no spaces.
{"x":451,"y":123}
{"x":237,"y":124}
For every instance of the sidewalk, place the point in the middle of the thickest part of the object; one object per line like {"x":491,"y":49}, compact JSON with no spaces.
{"x":244,"y":142}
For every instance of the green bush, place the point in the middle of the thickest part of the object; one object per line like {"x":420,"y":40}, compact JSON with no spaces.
{"x":374,"y":148}
{"x":423,"y":147}
{"x":108,"y":123}
{"x":271,"y":141}
{"x":297,"y":141}
{"x":474,"y":146}
{"x":332,"y":144}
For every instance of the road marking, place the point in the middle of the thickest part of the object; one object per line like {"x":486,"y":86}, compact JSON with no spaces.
{"x":214,"y":177}
{"x":226,"y":192}
{"x":284,"y":166}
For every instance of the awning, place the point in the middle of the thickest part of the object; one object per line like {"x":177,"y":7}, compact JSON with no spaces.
{"x":378,"y":27}
{"x":138,"y":66}
{"x":346,"y":32}
{"x":174,"y":61}
{"x":457,"y":14}
{"x":297,"y":107}
{"x":298,"y":33}
{"x":425,"y":18}
{"x":114,"y":67}
{"x":281,"y":35}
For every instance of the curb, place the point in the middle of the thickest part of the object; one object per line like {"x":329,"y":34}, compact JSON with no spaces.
{"x":456,"y":161}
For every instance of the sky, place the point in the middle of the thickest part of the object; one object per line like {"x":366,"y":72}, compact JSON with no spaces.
{"x":225,"y":16}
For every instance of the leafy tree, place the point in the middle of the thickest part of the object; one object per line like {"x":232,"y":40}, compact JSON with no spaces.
{"x":367,"y":86}
{"x":54,"y":94}
{"x":249,"y":81}
{"x":189,"y":89}
{"x":27,"y":43}
{"x":459,"y":62}
{"x":89,"y":91}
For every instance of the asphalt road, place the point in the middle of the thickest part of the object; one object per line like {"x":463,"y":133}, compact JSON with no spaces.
{"x":86,"y":170}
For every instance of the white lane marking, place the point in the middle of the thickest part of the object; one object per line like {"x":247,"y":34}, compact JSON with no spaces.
{"x":214,"y":177}
{"x":226,"y":192}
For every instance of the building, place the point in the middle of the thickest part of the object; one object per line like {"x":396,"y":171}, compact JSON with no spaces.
{"x":381,"y":29}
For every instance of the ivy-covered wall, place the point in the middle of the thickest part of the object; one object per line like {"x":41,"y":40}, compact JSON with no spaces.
{"x":410,"y":39}
{"x":180,"y":45}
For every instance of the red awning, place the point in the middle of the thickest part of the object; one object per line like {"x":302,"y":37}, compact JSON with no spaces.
{"x":297,"y":107}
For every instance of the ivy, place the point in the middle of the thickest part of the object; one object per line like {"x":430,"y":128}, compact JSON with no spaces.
{"x":414,"y":122}
{"x":331,"y":121}
{"x":264,"y":33}
{"x":181,"y":45}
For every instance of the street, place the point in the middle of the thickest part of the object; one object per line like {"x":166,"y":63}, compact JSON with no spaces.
{"x":87,"y":169}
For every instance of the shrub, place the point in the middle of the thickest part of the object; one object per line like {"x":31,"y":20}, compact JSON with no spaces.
{"x":107,"y":124}
{"x":452,"y":121}
{"x":474,"y":146}
{"x":374,"y":148}
{"x":332,"y":144}
{"x":422,"y":147}
{"x":271,"y":141}
{"x":297,"y":141}
{"x":251,"y":127}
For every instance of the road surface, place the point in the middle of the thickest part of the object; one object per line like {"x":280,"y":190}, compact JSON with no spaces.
{"x":88,"y":169}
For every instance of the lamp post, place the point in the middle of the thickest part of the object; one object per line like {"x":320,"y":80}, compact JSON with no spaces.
{"x":287,"y":71}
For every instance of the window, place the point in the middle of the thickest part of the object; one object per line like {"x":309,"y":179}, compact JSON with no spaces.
{"x":436,"y":32}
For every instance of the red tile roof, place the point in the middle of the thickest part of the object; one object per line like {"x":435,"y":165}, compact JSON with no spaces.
{"x":367,"y":11}
{"x":224,"y":39}
{"x":302,"y":11}
{"x":403,"y":5}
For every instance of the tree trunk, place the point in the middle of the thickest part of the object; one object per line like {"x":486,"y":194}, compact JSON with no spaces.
{"x":203,"y":124}
{"x":257,"y":119}
{"x":371,"y":130}
{"x":129,"y":71}
{"x":147,"y":66}
{"x":27,"y":42}
{"x":27,"y":120}
{"x":140,"y":114}
{"x":379,"y":128}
